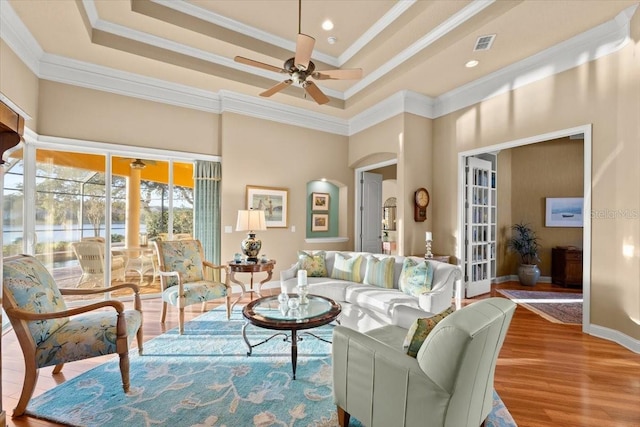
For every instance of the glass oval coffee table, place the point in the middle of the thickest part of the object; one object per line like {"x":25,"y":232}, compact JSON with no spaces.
{"x":269,"y":313}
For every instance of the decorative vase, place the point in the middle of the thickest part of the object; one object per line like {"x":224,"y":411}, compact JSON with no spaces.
{"x":528,"y":274}
{"x":251,"y":247}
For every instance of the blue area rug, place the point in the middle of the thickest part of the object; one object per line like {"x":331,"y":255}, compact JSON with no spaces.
{"x":204,"y":379}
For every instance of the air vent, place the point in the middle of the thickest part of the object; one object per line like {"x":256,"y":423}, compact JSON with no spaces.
{"x":484,"y":42}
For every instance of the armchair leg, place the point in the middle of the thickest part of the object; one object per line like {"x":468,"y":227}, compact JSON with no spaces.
{"x":30,"y":379}
{"x":228,"y":304}
{"x":58,"y":368}
{"x":139,"y":337}
{"x":343,"y":417}
{"x":124,"y":371}
{"x":204,"y":307}
{"x":163,"y":314}
{"x":181,"y":320}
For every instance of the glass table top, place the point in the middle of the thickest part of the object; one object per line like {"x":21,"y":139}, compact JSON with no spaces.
{"x":269,"y":308}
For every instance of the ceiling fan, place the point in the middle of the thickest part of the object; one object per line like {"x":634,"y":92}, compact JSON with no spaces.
{"x":300,"y":67}
{"x":136,"y":163}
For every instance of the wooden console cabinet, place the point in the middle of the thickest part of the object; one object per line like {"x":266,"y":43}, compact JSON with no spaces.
{"x":566,"y":266}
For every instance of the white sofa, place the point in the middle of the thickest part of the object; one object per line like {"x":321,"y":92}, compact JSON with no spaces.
{"x":366,"y":307}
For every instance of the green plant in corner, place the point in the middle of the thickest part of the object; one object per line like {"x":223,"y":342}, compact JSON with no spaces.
{"x":526,"y":244}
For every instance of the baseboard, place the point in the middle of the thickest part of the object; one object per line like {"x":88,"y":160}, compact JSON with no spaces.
{"x":514,"y":278}
{"x":615,"y":336}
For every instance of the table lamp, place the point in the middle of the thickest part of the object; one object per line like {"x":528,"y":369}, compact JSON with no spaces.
{"x":251,"y":220}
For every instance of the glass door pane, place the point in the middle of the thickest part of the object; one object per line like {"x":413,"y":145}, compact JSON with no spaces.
{"x":13,"y":206}
{"x":69,"y":207}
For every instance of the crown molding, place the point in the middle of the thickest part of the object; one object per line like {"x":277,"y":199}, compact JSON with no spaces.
{"x":16,"y":35}
{"x":77,"y":73}
{"x":233,"y":25}
{"x":590,"y":45}
{"x":247,"y":105}
{"x":431,"y":37}
{"x":398,"y":103}
{"x":396,"y":11}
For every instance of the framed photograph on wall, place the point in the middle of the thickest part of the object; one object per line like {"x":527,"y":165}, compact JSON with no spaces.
{"x":273,"y":201}
{"x":320,"y":202}
{"x":320,"y":222}
{"x":564,"y":212}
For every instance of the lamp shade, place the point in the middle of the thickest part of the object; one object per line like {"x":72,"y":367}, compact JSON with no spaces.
{"x":251,"y":220}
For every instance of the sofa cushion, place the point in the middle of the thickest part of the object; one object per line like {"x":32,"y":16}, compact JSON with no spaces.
{"x":419,"y":331}
{"x":416,"y":277}
{"x":346,"y":267}
{"x":314,"y":263}
{"x":378,"y":299}
{"x":379,"y":272}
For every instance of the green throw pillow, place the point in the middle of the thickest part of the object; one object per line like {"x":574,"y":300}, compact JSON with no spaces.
{"x":379,"y":272}
{"x":314,"y":263}
{"x":347,"y":268}
{"x":419,"y":331}
{"x":416,"y":277}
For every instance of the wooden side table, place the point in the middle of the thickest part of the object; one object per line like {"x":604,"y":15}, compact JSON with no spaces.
{"x":566,"y":266}
{"x":251,"y":268}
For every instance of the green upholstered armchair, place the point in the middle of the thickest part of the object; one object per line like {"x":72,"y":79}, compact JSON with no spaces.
{"x":184,"y":280}
{"x":448,"y":384}
{"x":50,"y":334}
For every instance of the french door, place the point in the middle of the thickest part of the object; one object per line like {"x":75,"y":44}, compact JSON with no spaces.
{"x":480,"y":226}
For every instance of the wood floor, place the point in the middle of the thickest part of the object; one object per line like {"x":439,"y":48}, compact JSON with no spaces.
{"x":548,"y":374}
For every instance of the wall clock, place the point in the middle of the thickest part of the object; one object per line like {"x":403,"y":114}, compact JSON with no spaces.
{"x":420,"y":203}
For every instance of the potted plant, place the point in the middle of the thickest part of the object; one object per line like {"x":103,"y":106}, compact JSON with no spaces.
{"x":526,"y":244}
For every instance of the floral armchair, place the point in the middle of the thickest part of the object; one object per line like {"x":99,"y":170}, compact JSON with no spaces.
{"x":51,"y":334}
{"x":183,"y":277}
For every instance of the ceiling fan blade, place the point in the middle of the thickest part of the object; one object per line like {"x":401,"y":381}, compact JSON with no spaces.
{"x":304,"y":48}
{"x":350,"y":74}
{"x":315,"y":92}
{"x":276,"y":88}
{"x":262,"y":65}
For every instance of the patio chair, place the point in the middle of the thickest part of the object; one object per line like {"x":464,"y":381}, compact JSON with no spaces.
{"x":184,"y":280}
{"x":50,"y":334}
{"x":91,"y":256}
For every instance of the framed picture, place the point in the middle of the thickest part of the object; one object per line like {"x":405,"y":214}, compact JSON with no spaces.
{"x":273,"y":201}
{"x":320,"y":222}
{"x":320,"y":202}
{"x":564,"y":212}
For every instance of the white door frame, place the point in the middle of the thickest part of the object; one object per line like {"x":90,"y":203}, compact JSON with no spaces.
{"x":358,"y":196}
{"x":586,"y":231}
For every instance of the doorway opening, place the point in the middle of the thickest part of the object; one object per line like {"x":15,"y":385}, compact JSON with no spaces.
{"x":369,"y":205}
{"x":585,"y":132}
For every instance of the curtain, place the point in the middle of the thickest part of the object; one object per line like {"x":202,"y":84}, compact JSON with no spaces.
{"x":206,"y":208}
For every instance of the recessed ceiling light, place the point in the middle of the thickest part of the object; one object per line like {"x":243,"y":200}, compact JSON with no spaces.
{"x":471,"y":63}
{"x":327,"y":25}
{"x":332,"y":40}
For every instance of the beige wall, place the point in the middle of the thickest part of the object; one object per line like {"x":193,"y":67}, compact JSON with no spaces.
{"x":407,"y":138}
{"x":75,"y":112}
{"x":19,"y":84}
{"x":546,"y":169}
{"x":265,"y":153}
{"x":604,"y":93}
{"x":505,"y":260}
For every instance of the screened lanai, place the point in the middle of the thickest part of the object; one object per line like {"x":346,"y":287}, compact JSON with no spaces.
{"x":123,"y":202}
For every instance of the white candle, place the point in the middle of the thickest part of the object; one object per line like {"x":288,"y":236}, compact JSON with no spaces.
{"x":428,"y":236}
{"x":302,"y":277}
